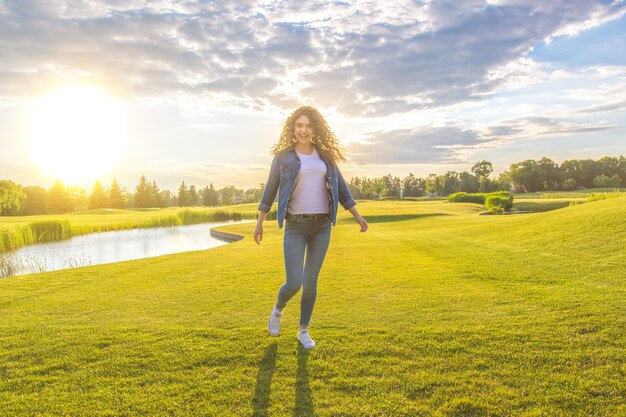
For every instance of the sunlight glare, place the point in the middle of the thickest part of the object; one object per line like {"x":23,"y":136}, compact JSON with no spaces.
{"x":77,"y":133}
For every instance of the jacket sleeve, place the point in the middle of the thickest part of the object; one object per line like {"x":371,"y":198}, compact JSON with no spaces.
{"x":344,"y":196}
{"x":271,"y":188}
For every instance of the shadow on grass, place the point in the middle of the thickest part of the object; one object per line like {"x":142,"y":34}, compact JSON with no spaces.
{"x":394,"y":217}
{"x":267,"y":366}
{"x":304,"y":398}
{"x":540,"y":206}
{"x":263,"y":381}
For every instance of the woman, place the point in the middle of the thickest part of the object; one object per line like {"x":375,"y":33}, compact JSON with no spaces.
{"x":305,"y":175}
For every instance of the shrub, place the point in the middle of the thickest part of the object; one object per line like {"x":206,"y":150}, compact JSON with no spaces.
{"x":498,"y":204}
{"x":462,"y":197}
{"x":503,"y":194}
{"x":480,"y":198}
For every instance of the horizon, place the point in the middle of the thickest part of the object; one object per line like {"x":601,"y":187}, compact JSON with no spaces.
{"x":130,"y":188}
{"x":198,"y":92}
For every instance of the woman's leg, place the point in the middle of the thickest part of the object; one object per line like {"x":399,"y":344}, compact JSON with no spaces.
{"x":317,"y":246}
{"x":294,"y":245}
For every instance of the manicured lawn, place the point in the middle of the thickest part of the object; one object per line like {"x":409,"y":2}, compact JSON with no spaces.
{"x":574,"y":194}
{"x":434,"y":311}
{"x":543,"y":204}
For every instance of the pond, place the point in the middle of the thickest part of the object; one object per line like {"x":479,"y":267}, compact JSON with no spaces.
{"x":108,"y":247}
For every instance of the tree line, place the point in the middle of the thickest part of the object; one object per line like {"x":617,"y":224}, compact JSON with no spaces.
{"x":16,"y":200}
{"x":525,"y":176}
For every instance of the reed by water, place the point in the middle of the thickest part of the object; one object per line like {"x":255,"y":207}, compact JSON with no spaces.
{"x":15,"y":236}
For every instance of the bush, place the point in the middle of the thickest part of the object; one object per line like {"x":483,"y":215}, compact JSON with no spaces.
{"x":503,"y":194}
{"x":498,"y":204}
{"x":481,"y":198}
{"x":462,"y":197}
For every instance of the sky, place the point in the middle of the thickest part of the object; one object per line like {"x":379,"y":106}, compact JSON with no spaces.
{"x":408,"y":86}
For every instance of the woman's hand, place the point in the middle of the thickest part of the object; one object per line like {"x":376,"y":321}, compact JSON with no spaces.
{"x":258,"y":230}
{"x":362,"y":222}
{"x":359,"y":219}
{"x":258,"y":233}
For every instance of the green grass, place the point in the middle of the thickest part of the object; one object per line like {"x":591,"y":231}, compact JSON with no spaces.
{"x":575,"y":194}
{"x":434,"y":311}
{"x":543,"y":204}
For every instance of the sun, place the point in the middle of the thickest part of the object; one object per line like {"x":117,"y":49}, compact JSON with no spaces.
{"x":77,"y":133}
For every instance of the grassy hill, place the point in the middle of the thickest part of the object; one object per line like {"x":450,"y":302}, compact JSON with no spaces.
{"x":434,"y":311}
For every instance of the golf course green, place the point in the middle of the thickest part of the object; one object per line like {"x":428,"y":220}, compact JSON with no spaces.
{"x":435,"y":310}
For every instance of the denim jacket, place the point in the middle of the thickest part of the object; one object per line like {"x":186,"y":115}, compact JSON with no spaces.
{"x":283,"y":173}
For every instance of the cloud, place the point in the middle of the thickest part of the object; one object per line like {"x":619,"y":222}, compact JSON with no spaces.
{"x":605,"y":108}
{"x":405,"y":146}
{"x":362,"y":58}
{"x":456,"y":144}
{"x":536,"y":127}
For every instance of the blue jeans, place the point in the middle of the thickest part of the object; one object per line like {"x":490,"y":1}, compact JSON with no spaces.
{"x":308,"y":234}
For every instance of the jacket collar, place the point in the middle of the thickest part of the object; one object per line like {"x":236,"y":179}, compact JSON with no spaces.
{"x":320,"y":153}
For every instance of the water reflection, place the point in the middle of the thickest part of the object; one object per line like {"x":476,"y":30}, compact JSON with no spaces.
{"x":107,"y":247}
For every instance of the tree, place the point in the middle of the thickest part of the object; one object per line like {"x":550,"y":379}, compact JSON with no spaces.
{"x":78,"y":200}
{"x":468,"y":182}
{"x":583,"y":171}
{"x":413,"y":186}
{"x":550,"y":173}
{"x":155,"y":195}
{"x":450,"y":183}
{"x":609,"y":166}
{"x":526,"y":176}
{"x":392,"y":186}
{"x":227,"y":195}
{"x":36,"y":201}
{"x":372,"y":187}
{"x":434,"y":184}
{"x":183,"y":195}
{"x":354,"y":185}
{"x":98,"y":198}
{"x":58,"y":198}
{"x":503,"y":183}
{"x":116,"y":197}
{"x":482,"y":169}
{"x":569,"y":184}
{"x":193,"y":196}
{"x":144,"y":194}
{"x":166,"y":198}
{"x":209,"y":196}
{"x":12,"y":198}
{"x":128,"y":198}
{"x":482,"y":184}
{"x":605,"y":181}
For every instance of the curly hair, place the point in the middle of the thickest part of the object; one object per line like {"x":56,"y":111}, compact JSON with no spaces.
{"x":323,"y":138}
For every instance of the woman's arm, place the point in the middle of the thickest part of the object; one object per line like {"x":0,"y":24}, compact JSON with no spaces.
{"x":269,"y":195}
{"x":258,"y":230}
{"x":359,"y":219}
{"x":348,"y":202}
{"x":345,"y":199}
{"x":271,"y":188}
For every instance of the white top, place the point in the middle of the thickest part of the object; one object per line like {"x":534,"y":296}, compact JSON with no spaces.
{"x":309,"y":194}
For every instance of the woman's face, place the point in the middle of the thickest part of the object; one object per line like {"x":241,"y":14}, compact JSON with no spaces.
{"x":303,"y":130}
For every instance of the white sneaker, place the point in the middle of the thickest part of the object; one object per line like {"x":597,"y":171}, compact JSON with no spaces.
{"x":305,"y":339}
{"x":274,"y":322}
